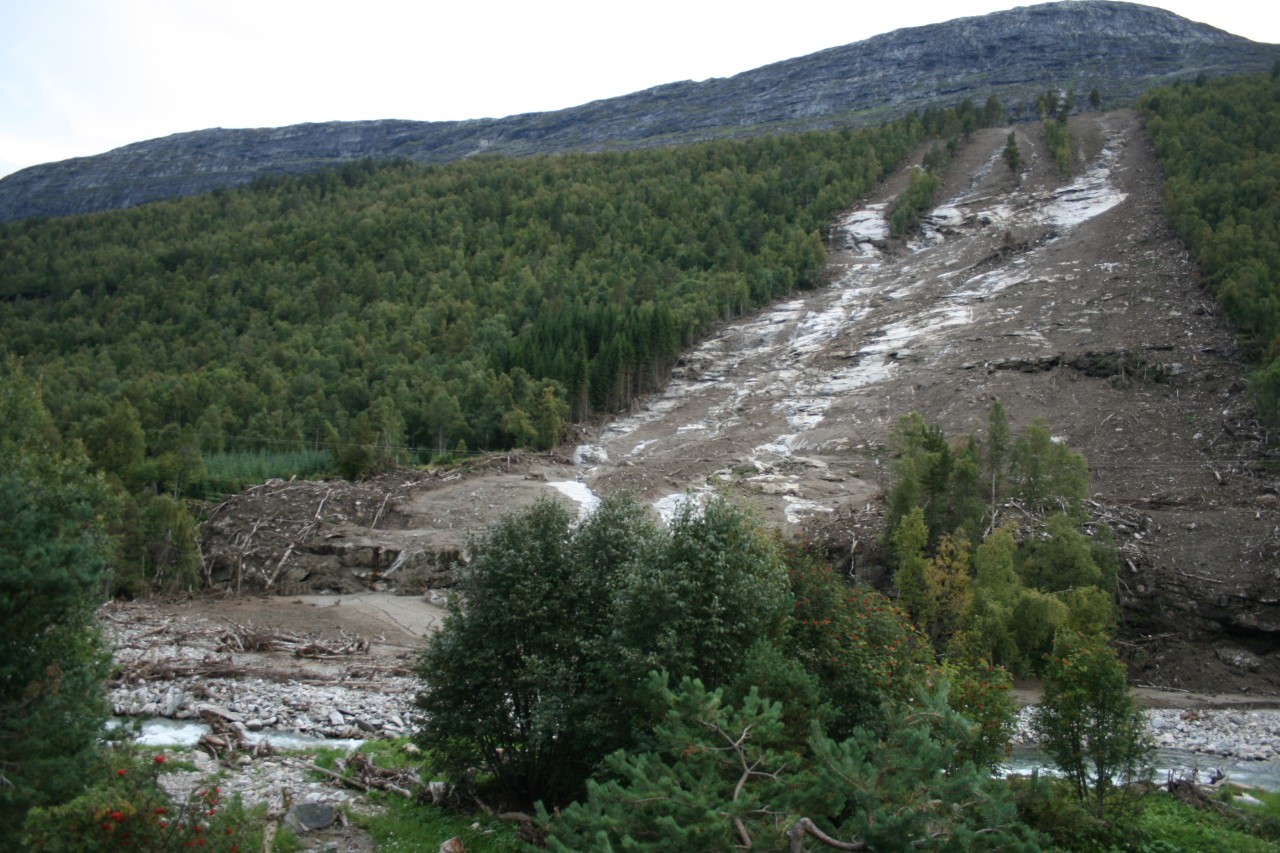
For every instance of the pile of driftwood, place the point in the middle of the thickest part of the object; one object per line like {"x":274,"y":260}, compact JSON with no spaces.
{"x":239,"y":638}
{"x":225,"y":740}
{"x":209,"y":666}
{"x":361,"y":773}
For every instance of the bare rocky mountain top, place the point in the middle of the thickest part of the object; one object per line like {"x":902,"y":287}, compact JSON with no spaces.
{"x":1069,"y":300}
{"x":1118,"y":48}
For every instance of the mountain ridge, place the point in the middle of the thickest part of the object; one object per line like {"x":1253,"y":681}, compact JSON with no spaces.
{"x":1118,"y":48}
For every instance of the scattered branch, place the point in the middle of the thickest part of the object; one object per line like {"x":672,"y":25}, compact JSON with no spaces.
{"x":804,"y":826}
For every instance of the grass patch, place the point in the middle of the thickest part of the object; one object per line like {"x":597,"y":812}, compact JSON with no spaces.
{"x":406,"y":826}
{"x":285,"y":842}
{"x":409,"y":827}
{"x":392,"y":753}
{"x":1168,"y":826}
{"x":225,"y":473}
{"x":326,"y":757}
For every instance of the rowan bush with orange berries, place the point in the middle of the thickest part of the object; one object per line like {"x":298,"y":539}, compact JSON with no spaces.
{"x":129,"y":809}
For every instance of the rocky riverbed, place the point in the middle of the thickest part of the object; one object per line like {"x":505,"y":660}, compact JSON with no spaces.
{"x":282,"y":708}
{"x":299,"y":714}
{"x":333,"y":671}
{"x":184,"y":664}
{"x":1205,"y":735}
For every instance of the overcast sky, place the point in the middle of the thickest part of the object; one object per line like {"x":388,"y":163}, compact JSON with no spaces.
{"x":79,"y":77}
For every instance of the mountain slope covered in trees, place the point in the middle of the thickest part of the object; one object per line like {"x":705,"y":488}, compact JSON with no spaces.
{"x":1119,"y":49}
{"x":1219,"y":143}
{"x":479,"y":305}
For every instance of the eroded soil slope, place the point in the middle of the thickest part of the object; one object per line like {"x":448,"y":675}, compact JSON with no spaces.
{"x":1068,"y":299}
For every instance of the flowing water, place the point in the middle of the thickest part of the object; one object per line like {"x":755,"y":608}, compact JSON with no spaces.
{"x":1167,"y":763}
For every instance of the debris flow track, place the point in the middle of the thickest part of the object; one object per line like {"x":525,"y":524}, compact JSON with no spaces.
{"x":1068,"y":298}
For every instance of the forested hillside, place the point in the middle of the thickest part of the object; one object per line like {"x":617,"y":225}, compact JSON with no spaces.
{"x":1219,"y":144}
{"x":384,"y":313}
{"x":478,"y":305}
{"x":388,"y":311}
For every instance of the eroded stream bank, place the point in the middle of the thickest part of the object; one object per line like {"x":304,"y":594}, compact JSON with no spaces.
{"x":183,"y":664}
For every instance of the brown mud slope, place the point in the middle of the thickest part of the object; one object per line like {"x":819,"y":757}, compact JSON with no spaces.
{"x":1067,"y":298}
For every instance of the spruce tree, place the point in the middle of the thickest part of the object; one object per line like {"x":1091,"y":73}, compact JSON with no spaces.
{"x":53,"y":563}
{"x":1011,"y":154}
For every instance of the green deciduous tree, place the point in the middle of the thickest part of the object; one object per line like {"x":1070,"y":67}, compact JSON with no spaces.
{"x":864,"y":652}
{"x":519,"y":682}
{"x":172,"y":559}
{"x":535,"y":675}
{"x":935,"y":592}
{"x":703,"y":594}
{"x":983,"y":693}
{"x":1062,"y":560}
{"x":549,"y":414}
{"x":1045,"y":473}
{"x":909,"y":539}
{"x":995,"y":594}
{"x":947,"y":580}
{"x":1088,"y":721}
{"x":116,"y":443}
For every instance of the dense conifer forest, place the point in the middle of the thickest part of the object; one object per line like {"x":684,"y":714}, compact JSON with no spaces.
{"x":479,"y":305}
{"x":1219,"y":144}
{"x":389,"y":312}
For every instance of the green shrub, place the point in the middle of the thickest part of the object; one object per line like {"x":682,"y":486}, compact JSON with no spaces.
{"x":1264,"y":821}
{"x":1169,"y":826}
{"x":984,"y":695}
{"x":126,"y":809}
{"x":1050,"y":807}
{"x":225,"y":473}
{"x":914,"y":201}
{"x":858,"y":644}
{"x":1088,"y":722}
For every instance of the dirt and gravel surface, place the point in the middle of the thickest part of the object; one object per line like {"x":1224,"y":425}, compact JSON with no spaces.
{"x":1067,"y":299}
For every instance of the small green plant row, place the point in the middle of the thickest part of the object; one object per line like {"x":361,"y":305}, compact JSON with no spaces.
{"x":913,"y":202}
{"x":231,"y":472}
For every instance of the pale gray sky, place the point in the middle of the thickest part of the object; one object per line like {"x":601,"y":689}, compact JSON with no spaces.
{"x":79,"y":77}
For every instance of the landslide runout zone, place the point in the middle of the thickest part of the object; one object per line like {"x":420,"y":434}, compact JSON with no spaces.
{"x":1068,"y":298}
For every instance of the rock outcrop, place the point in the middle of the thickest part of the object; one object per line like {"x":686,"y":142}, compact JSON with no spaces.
{"x":1118,"y":48}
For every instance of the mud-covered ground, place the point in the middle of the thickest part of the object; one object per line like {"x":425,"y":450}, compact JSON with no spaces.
{"x":1068,"y":299}
{"x":397,"y":628}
